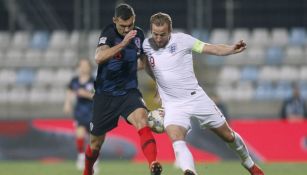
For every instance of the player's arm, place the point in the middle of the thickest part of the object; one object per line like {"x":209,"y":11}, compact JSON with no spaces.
{"x":105,"y":52}
{"x":85,"y":93}
{"x":141,"y":62}
{"x":219,"y":49}
{"x":67,"y":108}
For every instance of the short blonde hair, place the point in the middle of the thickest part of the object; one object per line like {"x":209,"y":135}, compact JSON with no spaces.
{"x":159,"y":19}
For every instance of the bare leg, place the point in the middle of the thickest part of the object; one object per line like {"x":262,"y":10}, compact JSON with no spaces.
{"x":235,"y":142}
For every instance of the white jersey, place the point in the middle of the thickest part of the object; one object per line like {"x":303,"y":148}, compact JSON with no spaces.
{"x":173,"y":70}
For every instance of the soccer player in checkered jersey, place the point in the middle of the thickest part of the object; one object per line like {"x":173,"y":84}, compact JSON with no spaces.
{"x":80,"y":88}
{"x":170,"y":63}
{"x":116,"y":87}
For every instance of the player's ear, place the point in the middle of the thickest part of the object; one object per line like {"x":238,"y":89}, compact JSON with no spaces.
{"x":114,"y":19}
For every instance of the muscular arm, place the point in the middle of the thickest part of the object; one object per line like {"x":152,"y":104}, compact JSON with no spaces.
{"x":67,"y":108}
{"x":141,"y":62}
{"x":223,"y":49}
{"x":104,"y":52}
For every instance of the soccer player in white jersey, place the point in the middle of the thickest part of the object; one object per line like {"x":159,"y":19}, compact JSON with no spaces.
{"x":170,"y":63}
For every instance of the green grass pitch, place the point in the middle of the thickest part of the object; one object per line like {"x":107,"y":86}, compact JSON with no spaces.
{"x":129,"y":168}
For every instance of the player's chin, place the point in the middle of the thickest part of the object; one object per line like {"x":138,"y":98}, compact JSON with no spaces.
{"x":160,"y":45}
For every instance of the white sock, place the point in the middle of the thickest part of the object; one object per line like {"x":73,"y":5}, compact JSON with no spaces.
{"x":241,"y":150}
{"x":183,"y":156}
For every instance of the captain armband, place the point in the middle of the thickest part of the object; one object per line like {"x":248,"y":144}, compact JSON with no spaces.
{"x":198,"y":46}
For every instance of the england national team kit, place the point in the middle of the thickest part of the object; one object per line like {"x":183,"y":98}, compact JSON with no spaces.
{"x":178,"y":87}
{"x":116,"y":85}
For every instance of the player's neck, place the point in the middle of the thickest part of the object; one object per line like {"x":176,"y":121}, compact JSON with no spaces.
{"x":84,"y":78}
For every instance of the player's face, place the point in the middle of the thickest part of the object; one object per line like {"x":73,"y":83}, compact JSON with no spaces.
{"x":124,"y":26}
{"x":84,"y":67}
{"x":160,"y":34}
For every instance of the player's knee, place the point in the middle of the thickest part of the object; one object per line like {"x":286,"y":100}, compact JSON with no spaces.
{"x":140,"y":121}
{"x":138,"y":118}
{"x":175,"y":136}
{"x":96,"y":143}
{"x":229,"y":137}
{"x":176,"y":132}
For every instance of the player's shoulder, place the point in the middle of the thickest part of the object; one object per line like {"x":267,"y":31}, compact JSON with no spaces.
{"x":140,"y":31}
{"x":180,"y":35}
{"x":109,"y":29}
{"x":146,"y":43}
{"x":75,"y":78}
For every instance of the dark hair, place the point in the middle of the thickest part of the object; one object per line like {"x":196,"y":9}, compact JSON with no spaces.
{"x":159,"y":19}
{"x":124,"y":11}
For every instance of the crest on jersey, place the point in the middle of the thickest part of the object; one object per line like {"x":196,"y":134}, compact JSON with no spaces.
{"x":173,"y":48}
{"x":137,"y":42}
{"x":102,"y":40}
{"x":89,"y":86}
{"x":91,"y":126}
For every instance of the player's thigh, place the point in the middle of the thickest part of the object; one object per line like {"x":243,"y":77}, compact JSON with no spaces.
{"x":176,"y":116}
{"x":106,"y":112}
{"x":211,"y":119}
{"x":138,"y":118}
{"x":134,"y":109}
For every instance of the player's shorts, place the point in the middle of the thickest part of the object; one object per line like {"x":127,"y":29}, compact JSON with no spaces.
{"x":83,"y":121}
{"x":201,"y":108}
{"x":107,"y":109}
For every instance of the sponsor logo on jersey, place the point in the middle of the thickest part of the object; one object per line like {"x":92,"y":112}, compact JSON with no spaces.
{"x":102,"y":40}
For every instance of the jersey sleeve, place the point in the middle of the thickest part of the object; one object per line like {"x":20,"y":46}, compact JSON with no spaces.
{"x":106,"y":37}
{"x":140,"y":34}
{"x":142,"y":40}
{"x":70,"y":85}
{"x":193,"y":43}
{"x":146,"y":46}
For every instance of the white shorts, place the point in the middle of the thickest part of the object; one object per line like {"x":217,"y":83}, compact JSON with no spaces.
{"x":181,"y":115}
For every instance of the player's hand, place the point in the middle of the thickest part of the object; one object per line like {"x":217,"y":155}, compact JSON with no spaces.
{"x":129,"y":37}
{"x":82,"y":92}
{"x":239,"y":47}
{"x":67,"y":109}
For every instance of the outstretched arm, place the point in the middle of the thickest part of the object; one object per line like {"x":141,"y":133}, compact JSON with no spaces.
{"x":223,"y":49}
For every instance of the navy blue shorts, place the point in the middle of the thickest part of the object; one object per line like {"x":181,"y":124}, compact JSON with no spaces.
{"x":107,"y":109}
{"x":83,"y":121}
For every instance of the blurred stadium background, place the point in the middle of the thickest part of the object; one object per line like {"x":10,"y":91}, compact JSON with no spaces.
{"x":42,"y":40}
